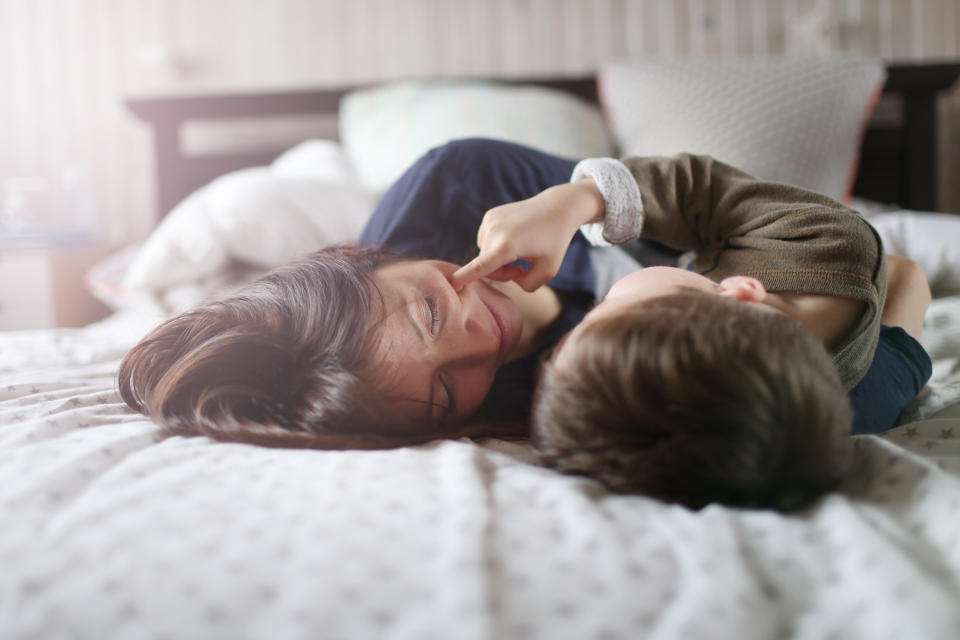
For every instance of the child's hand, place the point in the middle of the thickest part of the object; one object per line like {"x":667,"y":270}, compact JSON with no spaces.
{"x":537,"y":230}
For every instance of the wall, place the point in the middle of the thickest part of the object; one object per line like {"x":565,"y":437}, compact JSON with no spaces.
{"x":66,"y":65}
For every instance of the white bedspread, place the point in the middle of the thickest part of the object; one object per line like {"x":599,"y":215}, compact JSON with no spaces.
{"x":106,"y":532}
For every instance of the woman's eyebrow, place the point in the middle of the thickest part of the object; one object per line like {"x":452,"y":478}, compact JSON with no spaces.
{"x":451,"y":409}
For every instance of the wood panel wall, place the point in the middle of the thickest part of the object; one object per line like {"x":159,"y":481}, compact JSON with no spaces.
{"x":65,"y":65}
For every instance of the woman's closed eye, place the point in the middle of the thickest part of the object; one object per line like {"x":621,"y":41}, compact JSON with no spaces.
{"x":434,"y":314}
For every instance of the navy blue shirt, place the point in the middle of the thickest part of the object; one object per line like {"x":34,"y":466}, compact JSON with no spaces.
{"x":434,"y":211}
{"x":899,"y":370}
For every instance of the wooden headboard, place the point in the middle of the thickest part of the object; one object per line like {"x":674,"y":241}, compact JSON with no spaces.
{"x":898,"y":162}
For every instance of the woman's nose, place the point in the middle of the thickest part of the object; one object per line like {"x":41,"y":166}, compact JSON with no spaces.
{"x":473,"y":337}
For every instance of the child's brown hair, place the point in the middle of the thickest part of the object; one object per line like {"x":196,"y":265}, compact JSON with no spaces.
{"x":696,"y":398}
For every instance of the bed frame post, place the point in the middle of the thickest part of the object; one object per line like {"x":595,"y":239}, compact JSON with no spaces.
{"x":919,"y":86}
{"x":920,"y":170}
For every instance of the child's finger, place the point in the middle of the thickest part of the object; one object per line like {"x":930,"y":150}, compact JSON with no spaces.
{"x":507,"y":272}
{"x":477,"y":268}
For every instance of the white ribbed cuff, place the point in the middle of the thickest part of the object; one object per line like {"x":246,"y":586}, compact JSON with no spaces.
{"x":623,"y":220}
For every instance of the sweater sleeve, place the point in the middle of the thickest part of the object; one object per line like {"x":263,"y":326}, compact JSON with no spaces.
{"x":791,"y":239}
{"x":623,"y":216}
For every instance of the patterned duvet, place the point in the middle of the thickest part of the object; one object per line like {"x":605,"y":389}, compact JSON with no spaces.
{"x":107,"y":531}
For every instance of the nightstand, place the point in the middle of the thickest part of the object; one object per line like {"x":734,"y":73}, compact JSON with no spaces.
{"x":43,"y":287}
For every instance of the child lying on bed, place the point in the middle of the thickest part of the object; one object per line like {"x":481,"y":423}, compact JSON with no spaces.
{"x":663,"y":394}
{"x":701,"y":385}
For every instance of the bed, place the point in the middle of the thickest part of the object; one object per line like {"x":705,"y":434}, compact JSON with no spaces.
{"x":110,"y":531}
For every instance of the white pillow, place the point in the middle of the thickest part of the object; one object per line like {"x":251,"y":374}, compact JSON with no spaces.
{"x":929,"y":238}
{"x":308,"y":198}
{"x":385,"y":128}
{"x":795,"y":121}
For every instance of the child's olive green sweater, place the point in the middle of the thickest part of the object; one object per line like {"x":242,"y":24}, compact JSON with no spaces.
{"x":791,"y":239}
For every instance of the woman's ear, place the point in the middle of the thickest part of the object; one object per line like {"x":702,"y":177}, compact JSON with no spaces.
{"x":743,"y":288}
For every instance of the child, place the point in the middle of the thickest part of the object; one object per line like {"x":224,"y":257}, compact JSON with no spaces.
{"x":711,"y":384}
{"x":694,"y":398}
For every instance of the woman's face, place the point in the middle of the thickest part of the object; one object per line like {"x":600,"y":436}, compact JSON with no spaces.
{"x":437,"y":349}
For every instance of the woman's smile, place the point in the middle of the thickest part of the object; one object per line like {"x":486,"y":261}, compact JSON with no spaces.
{"x":437,"y":349}
{"x":500,"y":331}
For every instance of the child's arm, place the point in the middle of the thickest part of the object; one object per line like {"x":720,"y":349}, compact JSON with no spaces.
{"x":688,"y":202}
{"x":738,"y":224}
{"x":908,"y":295}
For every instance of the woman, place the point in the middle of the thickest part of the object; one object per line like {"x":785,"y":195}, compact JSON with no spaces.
{"x":296,"y":359}
{"x":354,"y":348}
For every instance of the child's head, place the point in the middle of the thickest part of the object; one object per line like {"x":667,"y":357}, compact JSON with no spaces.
{"x":695,"y":396}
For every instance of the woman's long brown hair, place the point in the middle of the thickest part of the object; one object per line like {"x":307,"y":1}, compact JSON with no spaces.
{"x":275,"y":364}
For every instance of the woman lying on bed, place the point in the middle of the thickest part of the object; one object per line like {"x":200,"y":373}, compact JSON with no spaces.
{"x":360,"y":348}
